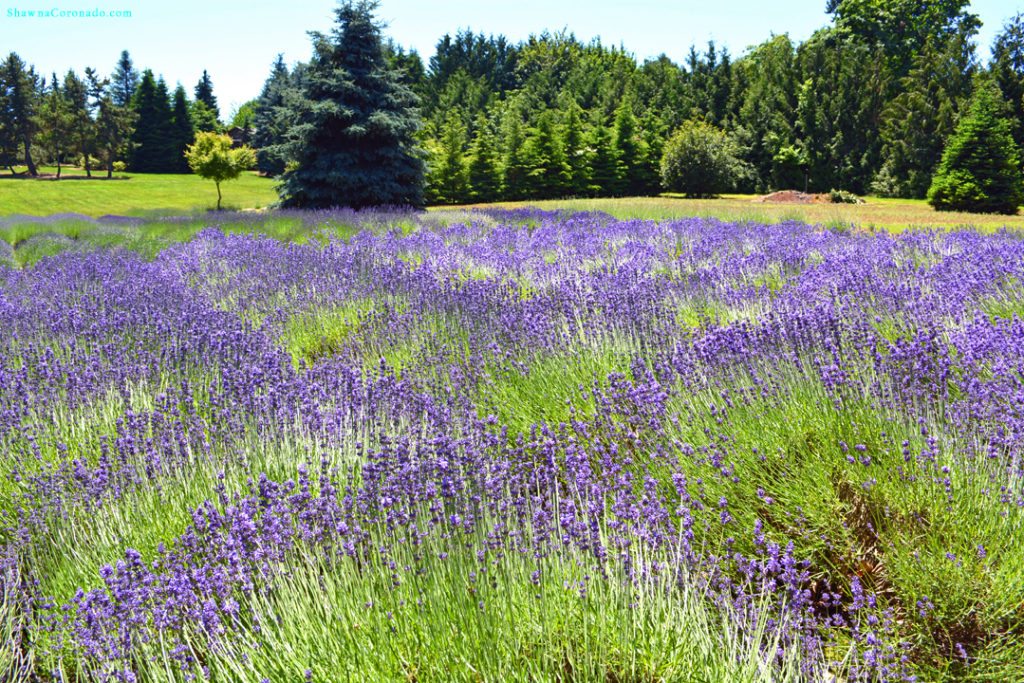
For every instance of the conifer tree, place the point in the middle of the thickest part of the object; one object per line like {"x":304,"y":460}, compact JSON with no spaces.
{"x":183,"y":133}
{"x":270,"y":121}
{"x":57,"y":123}
{"x":548,"y":174}
{"x":352,"y":142}
{"x":604,"y":163}
{"x":114,"y":127}
{"x":484,"y":172}
{"x":204,"y":94}
{"x":1008,"y":69}
{"x":153,"y":146}
{"x":514,"y":166}
{"x":447,"y":180}
{"x":980,"y":167}
{"x":575,"y":152}
{"x":18,"y":106}
{"x":76,"y":94}
{"x":630,"y":151}
{"x":124,"y":81}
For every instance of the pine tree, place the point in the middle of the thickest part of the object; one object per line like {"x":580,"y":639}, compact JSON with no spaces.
{"x":353,"y":139}
{"x":447,"y":181}
{"x":183,"y":133}
{"x":1008,"y":69}
{"x":18,"y":104}
{"x":204,"y":94}
{"x":114,"y":127}
{"x":575,"y":152}
{"x":124,"y":81}
{"x":56,"y":122}
{"x":270,"y":121}
{"x":980,"y":167}
{"x":549,"y":175}
{"x":604,"y":163}
{"x":153,"y":147}
{"x":514,"y":167}
{"x":484,"y":173}
{"x":76,"y":93}
{"x":630,"y":151}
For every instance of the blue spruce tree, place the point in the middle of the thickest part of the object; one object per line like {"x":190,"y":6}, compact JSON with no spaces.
{"x":351,"y":142}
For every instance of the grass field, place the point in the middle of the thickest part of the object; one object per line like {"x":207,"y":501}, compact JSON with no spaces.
{"x":149,"y":194}
{"x":128,"y":194}
{"x":508,"y":445}
{"x":888,"y":214}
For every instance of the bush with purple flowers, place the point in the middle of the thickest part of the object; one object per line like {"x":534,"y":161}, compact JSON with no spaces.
{"x":509,"y":445}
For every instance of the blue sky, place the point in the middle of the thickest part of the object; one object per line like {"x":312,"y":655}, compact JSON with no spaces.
{"x":237,"y":41}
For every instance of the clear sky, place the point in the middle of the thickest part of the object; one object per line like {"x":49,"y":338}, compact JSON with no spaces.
{"x":236,"y":40}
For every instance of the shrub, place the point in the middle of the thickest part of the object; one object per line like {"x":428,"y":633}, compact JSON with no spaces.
{"x":212,"y":157}
{"x":700,"y":160}
{"x":120,"y":166}
{"x":843,"y":197}
{"x":979,"y":171}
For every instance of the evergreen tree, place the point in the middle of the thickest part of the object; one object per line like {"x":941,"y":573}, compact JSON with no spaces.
{"x":204,"y":94}
{"x":484,"y":172}
{"x":124,"y":81}
{"x":83,"y":133}
{"x":549,"y":174}
{"x":1008,"y":70}
{"x":183,"y":133}
{"x":980,"y":167}
{"x":630,"y":151}
{"x":575,"y":152}
{"x":270,"y":120}
{"x":56,"y":122}
{"x":204,"y":119}
{"x":114,"y":128}
{"x":19,"y":99}
{"x":514,"y":166}
{"x":153,"y":144}
{"x":918,"y":121}
{"x":604,"y":163}
{"x":353,"y":140}
{"x":447,"y":181}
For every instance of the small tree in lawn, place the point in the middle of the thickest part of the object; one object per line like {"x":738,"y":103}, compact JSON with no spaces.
{"x":211,"y":157}
{"x":980,"y":170}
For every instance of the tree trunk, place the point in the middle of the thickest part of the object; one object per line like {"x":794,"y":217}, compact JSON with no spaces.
{"x":218,"y":195}
{"x":28,"y":157}
{"x":110,"y":167}
{"x":88,"y":173}
{"x":58,"y":165}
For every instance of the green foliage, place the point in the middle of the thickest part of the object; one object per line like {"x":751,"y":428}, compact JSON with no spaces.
{"x":484,"y":170}
{"x":202,"y":118}
{"x":515,"y":167}
{"x":124,"y":81}
{"x":1008,"y":69}
{"x":245,"y":116}
{"x":18,"y":104}
{"x":352,"y":138}
{"x":204,"y":94}
{"x":152,"y":149}
{"x":114,"y":126}
{"x":56,"y":120}
{"x":604,"y":163}
{"x":212,"y":158}
{"x":980,"y":167}
{"x":271,"y":120}
{"x":447,"y":179}
{"x":700,"y":161}
{"x":182,"y":131}
{"x":843,"y":197}
{"x":549,"y":175}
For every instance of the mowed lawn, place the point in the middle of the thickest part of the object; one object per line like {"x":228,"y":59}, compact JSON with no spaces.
{"x":129,"y":194}
{"x":137,"y":194}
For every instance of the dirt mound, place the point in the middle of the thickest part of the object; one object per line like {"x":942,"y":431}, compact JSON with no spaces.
{"x":793,"y":197}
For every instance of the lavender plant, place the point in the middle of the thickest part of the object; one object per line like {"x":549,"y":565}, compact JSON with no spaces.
{"x":510,"y":445}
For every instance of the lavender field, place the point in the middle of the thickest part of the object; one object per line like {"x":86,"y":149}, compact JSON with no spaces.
{"x":509,"y":446}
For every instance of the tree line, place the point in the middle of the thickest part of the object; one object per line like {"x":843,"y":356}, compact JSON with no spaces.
{"x":867,"y":105}
{"x":129,"y":120}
